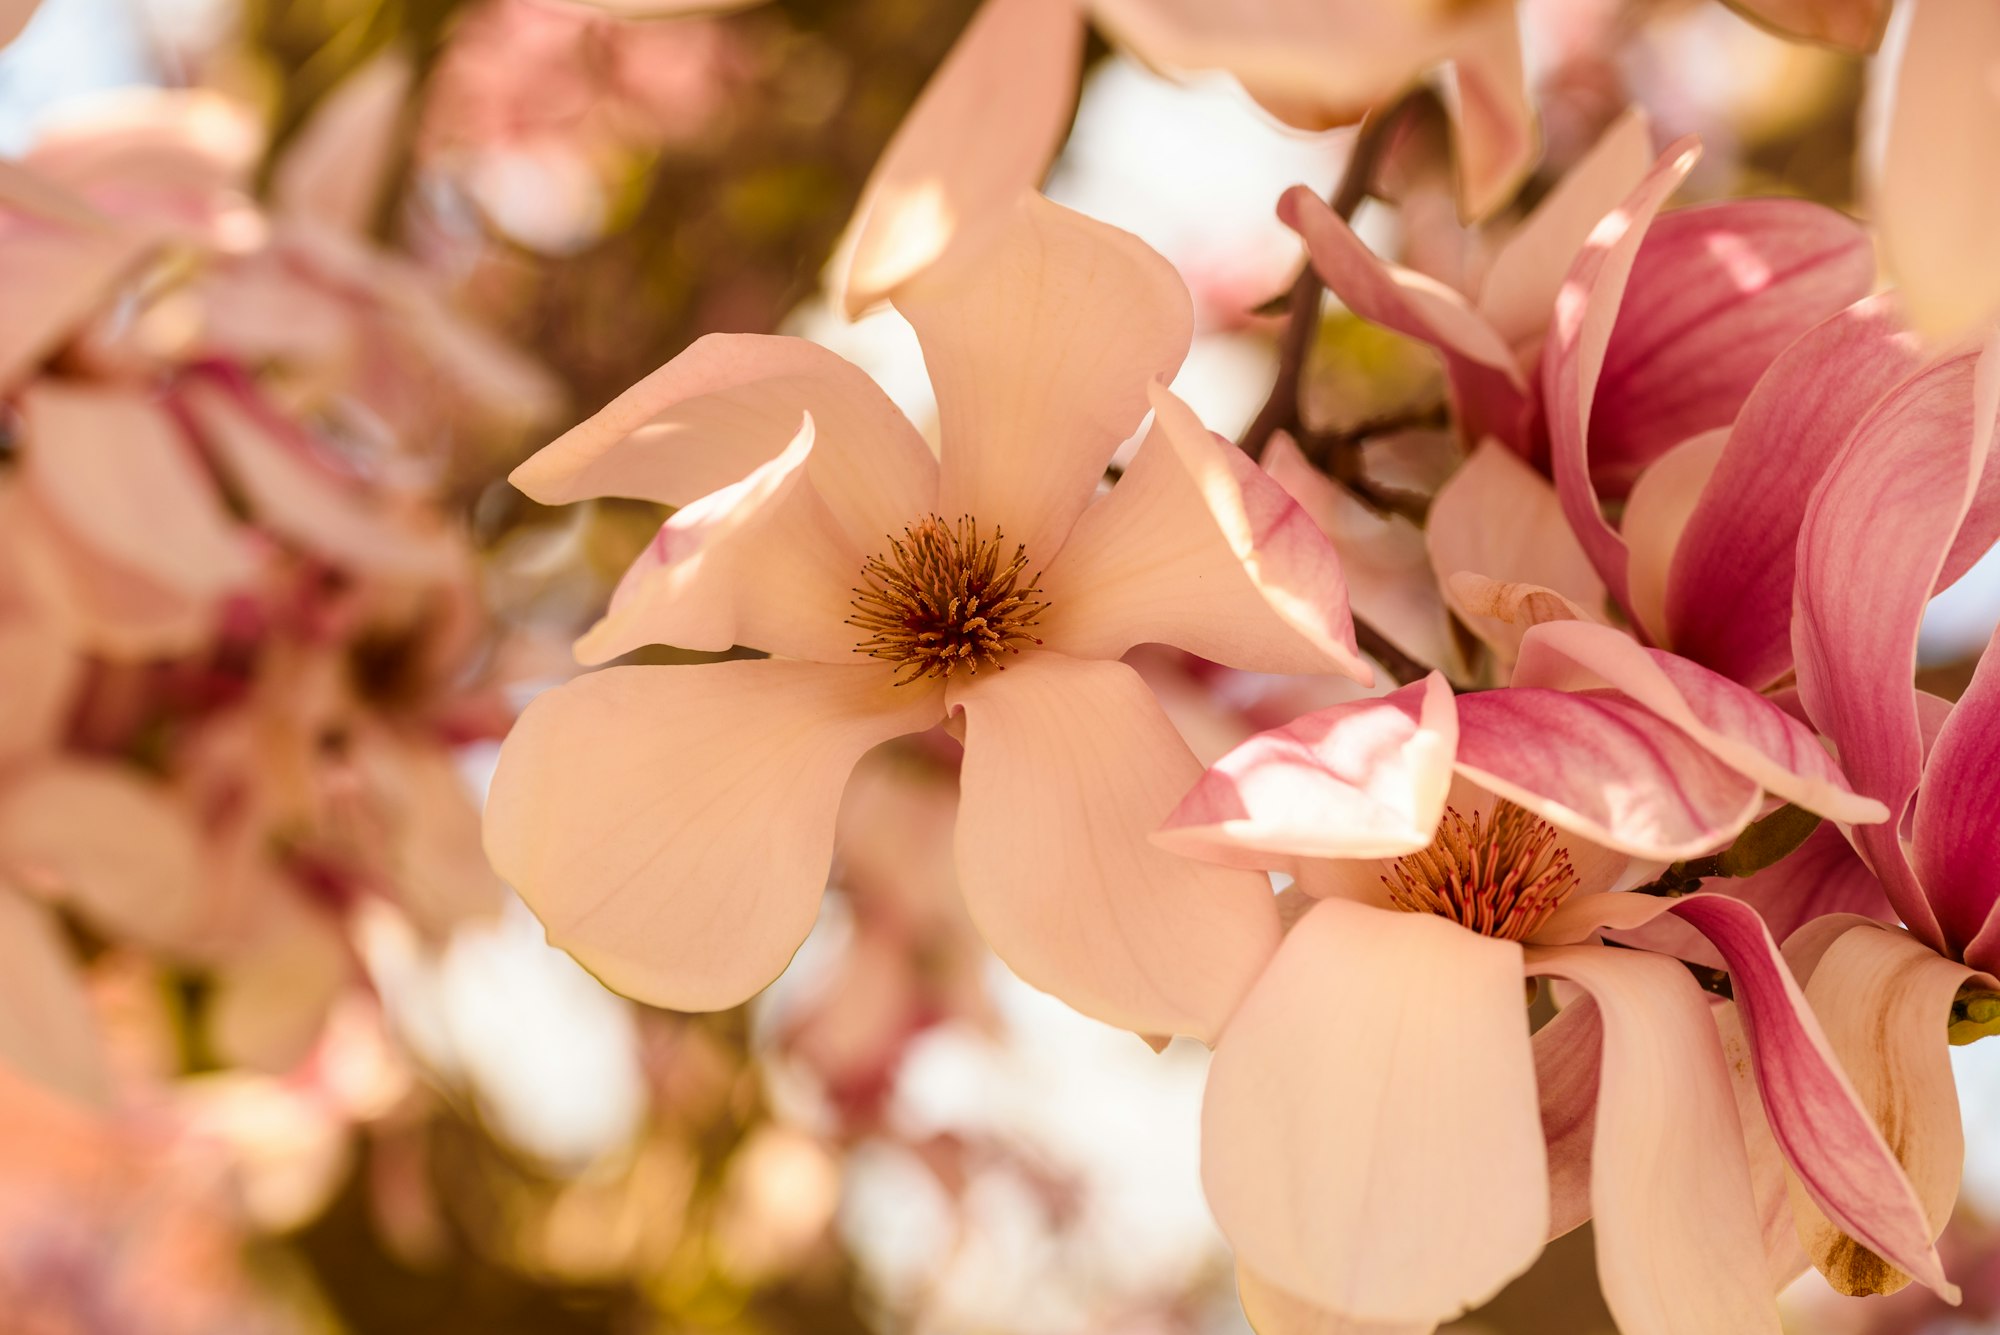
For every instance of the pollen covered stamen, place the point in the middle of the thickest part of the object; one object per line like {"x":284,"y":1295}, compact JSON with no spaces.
{"x":942,"y":597}
{"x":1501,"y":874}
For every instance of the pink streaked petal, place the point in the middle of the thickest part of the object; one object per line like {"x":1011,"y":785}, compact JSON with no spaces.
{"x":1069,"y":767}
{"x":1872,"y":547}
{"x":1198,"y":548}
{"x":335,"y":169}
{"x":1851,"y":25}
{"x":144,"y":886}
{"x":672,"y":826}
{"x":118,"y":473}
{"x":1428,"y":1195}
{"x":1490,"y":394}
{"x":1835,"y":1152}
{"x":1728,"y":601}
{"x":1939,"y":184}
{"x":760,"y":563}
{"x":1043,"y":353}
{"x":1499,"y":522}
{"x":46,"y":1029}
{"x":729,"y":403}
{"x":1716,"y":293}
{"x":1884,"y":1000}
{"x":1568,"y":1058}
{"x":1272,"y":1311}
{"x":1784,"y":1257}
{"x":1656,"y":513}
{"x":1736,"y":725}
{"x":1587,"y":309}
{"x":1367,"y":779}
{"x":979,"y":137}
{"x":1604,"y":768}
{"x":1956,"y":827}
{"x":1383,"y":558}
{"x":296,"y":497}
{"x":1671,"y":1191}
{"x":1518,"y":294}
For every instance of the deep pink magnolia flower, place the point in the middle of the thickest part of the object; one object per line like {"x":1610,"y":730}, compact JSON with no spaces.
{"x":672,"y":825}
{"x":990,"y":121}
{"x":1908,"y":503}
{"x":1448,"y":849}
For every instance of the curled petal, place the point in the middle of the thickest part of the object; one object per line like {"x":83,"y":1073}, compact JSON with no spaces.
{"x":1196,"y":547}
{"x":1604,"y":768}
{"x":672,"y":827}
{"x":1670,"y":1188}
{"x":1424,"y":1197}
{"x":1568,"y":1061}
{"x":1069,"y":766}
{"x":1835,"y":1152}
{"x":1784,"y":1257}
{"x":1364,"y":779}
{"x":1957,"y":821}
{"x":759,"y":563}
{"x":1656,"y":513}
{"x":979,"y":137}
{"x":1043,"y":353}
{"x":1728,"y":596}
{"x":729,"y":403}
{"x":1739,"y":727}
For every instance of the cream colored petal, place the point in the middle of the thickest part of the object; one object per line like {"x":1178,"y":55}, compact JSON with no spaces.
{"x":46,"y":1029}
{"x":337,"y":166}
{"x":1272,"y":1311}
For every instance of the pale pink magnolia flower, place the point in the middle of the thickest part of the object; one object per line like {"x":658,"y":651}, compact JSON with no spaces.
{"x":14,"y":16}
{"x":672,"y":825}
{"x":992,"y":117}
{"x":1446,"y":851}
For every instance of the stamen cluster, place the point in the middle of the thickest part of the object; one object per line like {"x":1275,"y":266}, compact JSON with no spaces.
{"x":1500,"y":874}
{"x":941,"y":597}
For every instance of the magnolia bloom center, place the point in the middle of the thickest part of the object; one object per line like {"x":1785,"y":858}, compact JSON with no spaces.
{"x":942,"y":597}
{"x":1499,"y":874}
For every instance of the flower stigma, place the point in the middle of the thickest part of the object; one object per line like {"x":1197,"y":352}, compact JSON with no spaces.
{"x":1499,"y":874}
{"x":942,"y":597}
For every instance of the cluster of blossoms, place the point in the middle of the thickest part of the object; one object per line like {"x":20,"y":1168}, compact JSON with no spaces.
{"x":1628,"y":877}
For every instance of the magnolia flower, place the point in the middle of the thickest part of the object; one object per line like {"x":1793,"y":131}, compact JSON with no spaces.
{"x":1447,"y":851}
{"x":672,"y":825}
{"x":991,"y":119}
{"x":14,"y":16}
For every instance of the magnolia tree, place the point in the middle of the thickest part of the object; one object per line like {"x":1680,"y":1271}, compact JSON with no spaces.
{"x":1523,"y":790}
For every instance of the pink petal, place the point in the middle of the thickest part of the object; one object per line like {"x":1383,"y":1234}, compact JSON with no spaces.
{"x":59,"y":264}
{"x":110,"y":608}
{"x":729,"y":403}
{"x":1853,"y":25}
{"x":335,"y":169}
{"x":1498,"y":519}
{"x":1874,"y":542}
{"x":979,"y":137}
{"x":1716,"y":293}
{"x":145,"y":886}
{"x":1956,"y":827}
{"x":1272,"y":1311}
{"x":1728,"y":601}
{"x":1492,"y":115}
{"x":1939,"y":185}
{"x":1197,"y":548}
{"x":759,"y":563}
{"x":1656,"y":513}
{"x":14,"y":16}
{"x":1670,"y":1181}
{"x":1883,"y":1000}
{"x":1568,"y":1062}
{"x":118,"y":473}
{"x":301,"y":500}
{"x":439,"y":870}
{"x":1587,"y":309}
{"x":1490,"y":396}
{"x":1602,"y":767}
{"x":1383,"y":558}
{"x":672,"y":827}
{"x":1043,"y":354}
{"x":37,"y":661}
{"x":1430,"y":1193}
{"x":1739,"y":727}
{"x":1518,"y":294}
{"x":46,"y":1029}
{"x":1366,"y":779}
{"x":1835,"y":1152}
{"x":1784,"y":1258}
{"x":1069,"y":766}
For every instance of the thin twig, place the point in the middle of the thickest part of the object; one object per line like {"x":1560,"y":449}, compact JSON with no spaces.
{"x":1394,"y":661}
